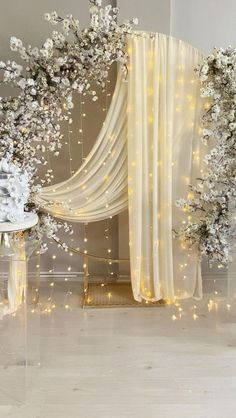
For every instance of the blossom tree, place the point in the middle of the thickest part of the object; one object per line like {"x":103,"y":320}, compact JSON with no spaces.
{"x":71,"y":60}
{"x":212,"y":200}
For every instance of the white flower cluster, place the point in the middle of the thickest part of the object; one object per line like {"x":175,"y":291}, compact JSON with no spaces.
{"x":71,"y":60}
{"x":48,"y":227}
{"x":14,"y":192}
{"x":213,"y":198}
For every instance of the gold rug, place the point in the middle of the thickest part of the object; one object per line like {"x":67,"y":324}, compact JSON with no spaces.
{"x":114,"y":295}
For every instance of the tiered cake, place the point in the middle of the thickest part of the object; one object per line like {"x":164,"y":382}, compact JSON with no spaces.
{"x":14,"y":192}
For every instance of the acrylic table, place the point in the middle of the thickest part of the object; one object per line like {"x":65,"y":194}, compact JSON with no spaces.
{"x":19,"y":315}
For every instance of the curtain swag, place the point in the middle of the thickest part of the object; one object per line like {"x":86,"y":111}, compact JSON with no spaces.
{"x":146,"y":154}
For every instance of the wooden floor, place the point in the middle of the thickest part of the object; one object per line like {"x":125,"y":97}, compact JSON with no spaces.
{"x":166,"y":362}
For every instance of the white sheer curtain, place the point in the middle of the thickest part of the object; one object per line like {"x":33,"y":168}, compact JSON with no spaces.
{"x":154,"y":121}
{"x":163,"y":139}
{"x":99,"y":188}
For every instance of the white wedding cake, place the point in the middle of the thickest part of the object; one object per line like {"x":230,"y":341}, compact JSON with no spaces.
{"x":14,"y":192}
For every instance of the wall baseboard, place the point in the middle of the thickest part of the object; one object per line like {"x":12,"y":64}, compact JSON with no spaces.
{"x":60,"y":276}
{"x":78,"y":276}
{"x":75,"y":276}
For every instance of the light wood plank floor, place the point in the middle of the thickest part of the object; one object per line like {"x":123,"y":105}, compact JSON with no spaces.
{"x":167,"y":362}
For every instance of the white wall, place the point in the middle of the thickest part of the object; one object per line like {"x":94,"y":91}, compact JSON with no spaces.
{"x":24,"y":19}
{"x":153,"y":15}
{"x":204,"y":23}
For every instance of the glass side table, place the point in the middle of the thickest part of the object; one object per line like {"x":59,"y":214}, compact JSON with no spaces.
{"x":19,"y":313}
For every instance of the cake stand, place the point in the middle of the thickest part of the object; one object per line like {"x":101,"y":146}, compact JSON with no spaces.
{"x":19,"y":311}
{"x":8,"y":230}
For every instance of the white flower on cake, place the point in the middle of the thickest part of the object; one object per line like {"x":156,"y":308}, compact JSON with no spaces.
{"x":14,"y":192}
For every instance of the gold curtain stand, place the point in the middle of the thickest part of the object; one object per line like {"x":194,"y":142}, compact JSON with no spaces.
{"x":94,"y":257}
{"x":122,"y":287}
{"x":86,"y":258}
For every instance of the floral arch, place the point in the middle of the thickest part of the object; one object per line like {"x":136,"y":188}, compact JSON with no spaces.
{"x":30,"y":127}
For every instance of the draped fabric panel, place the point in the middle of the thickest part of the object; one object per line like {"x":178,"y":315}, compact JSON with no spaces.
{"x":153,"y":122}
{"x":164,"y":110}
{"x":98,"y":189}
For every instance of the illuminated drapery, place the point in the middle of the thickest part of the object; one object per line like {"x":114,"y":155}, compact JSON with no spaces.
{"x":99,"y":188}
{"x":154,"y":121}
{"x":163,"y":158}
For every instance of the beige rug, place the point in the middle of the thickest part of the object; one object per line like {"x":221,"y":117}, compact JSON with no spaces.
{"x":114,"y":295}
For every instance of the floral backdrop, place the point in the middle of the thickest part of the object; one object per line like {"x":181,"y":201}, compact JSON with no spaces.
{"x":212,"y":200}
{"x":71,"y":60}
